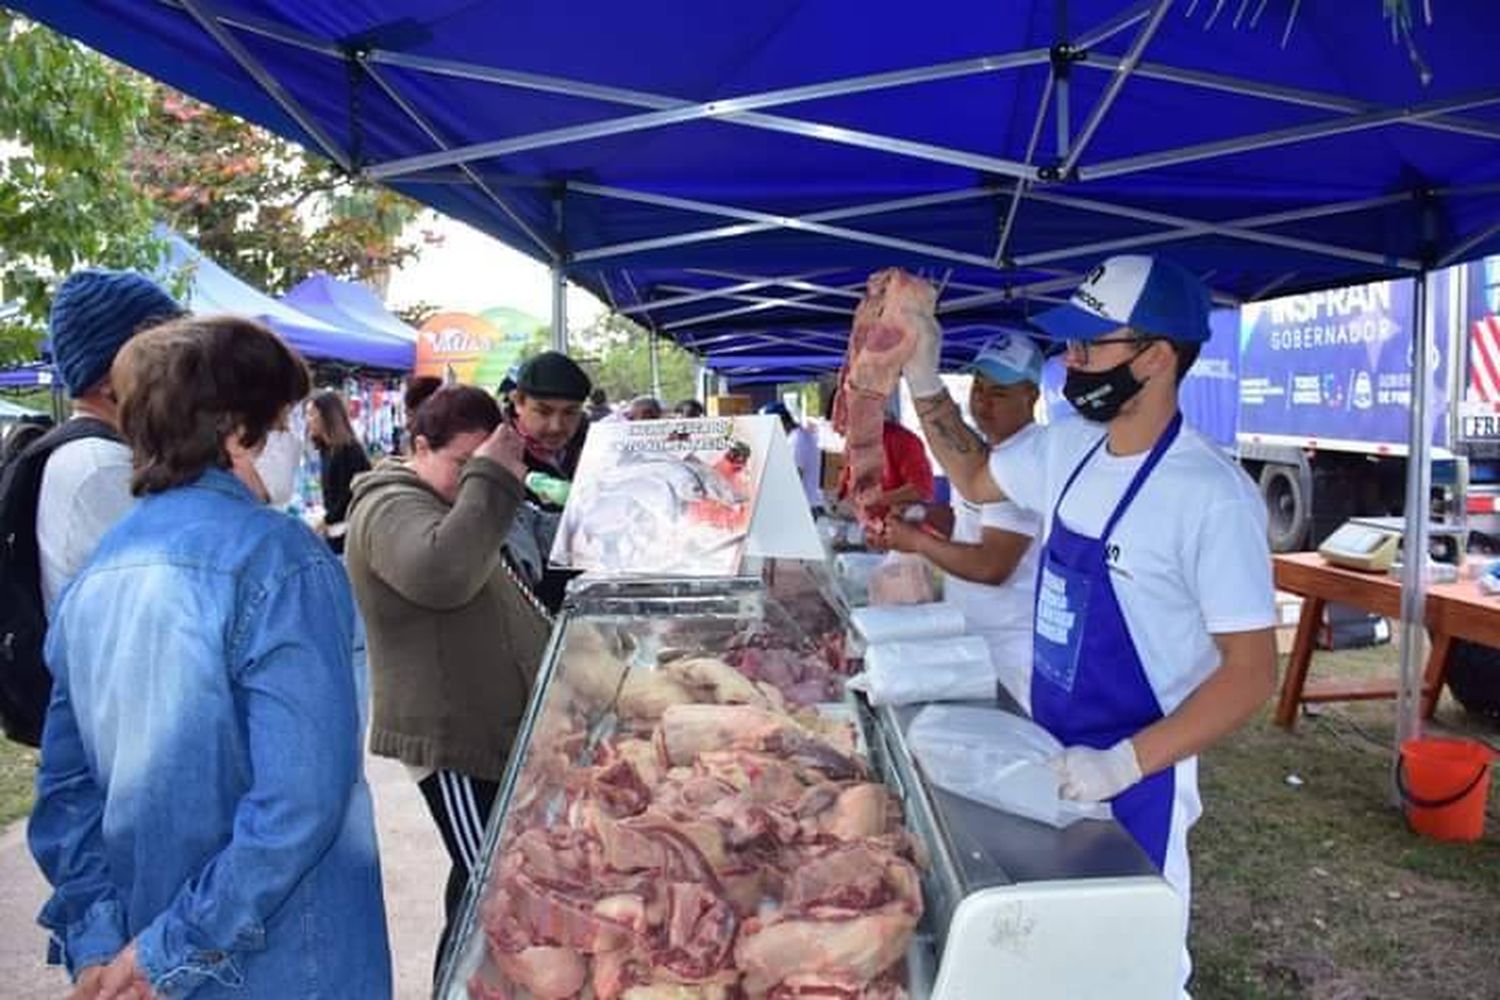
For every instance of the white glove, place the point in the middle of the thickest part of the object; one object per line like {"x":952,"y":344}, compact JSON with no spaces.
{"x":1088,"y":775}
{"x":921,"y":370}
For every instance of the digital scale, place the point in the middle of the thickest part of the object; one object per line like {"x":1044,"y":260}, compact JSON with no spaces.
{"x":1373,"y":544}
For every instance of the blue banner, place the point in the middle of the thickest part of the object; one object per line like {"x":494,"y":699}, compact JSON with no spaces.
{"x":1334,"y":365}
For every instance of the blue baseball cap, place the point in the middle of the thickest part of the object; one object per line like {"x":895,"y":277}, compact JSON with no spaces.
{"x":1008,"y":359}
{"x":1153,"y":296}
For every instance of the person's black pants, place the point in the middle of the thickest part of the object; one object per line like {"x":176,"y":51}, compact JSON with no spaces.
{"x":460,"y":805}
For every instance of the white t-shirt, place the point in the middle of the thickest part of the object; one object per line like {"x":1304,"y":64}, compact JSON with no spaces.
{"x":809,"y":463}
{"x":1002,"y":614}
{"x":85,"y":492}
{"x":1189,"y":558}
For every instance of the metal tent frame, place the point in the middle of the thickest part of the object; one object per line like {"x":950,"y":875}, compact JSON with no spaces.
{"x":659,"y":254}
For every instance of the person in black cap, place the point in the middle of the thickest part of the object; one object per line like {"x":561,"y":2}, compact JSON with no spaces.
{"x":549,"y":394}
{"x":547,"y":402}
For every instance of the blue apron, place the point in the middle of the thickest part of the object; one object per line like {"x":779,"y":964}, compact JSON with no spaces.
{"x":1088,"y":686}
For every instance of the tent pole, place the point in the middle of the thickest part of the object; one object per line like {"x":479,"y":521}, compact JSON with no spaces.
{"x":655,"y":365}
{"x":1414,"y":571}
{"x":559,"y":309}
{"x":559,"y":282}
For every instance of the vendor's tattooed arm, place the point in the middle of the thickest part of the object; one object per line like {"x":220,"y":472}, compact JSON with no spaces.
{"x":959,"y":450}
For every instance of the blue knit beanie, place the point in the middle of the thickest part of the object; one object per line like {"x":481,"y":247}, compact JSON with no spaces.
{"x":93,"y":313}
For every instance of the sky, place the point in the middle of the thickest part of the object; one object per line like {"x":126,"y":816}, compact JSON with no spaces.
{"x":469,"y":272}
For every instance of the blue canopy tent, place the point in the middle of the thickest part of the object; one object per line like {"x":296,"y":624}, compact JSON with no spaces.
{"x":735,"y":170}
{"x":349,"y":305}
{"x":759,"y":160}
{"x":31,"y":375}
{"x":212,"y":289}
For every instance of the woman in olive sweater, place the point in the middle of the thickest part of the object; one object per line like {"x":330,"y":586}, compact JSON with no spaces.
{"x":454,"y":643}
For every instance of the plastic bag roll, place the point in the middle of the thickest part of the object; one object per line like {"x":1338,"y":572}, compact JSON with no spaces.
{"x":908,"y":621}
{"x":902,"y":673}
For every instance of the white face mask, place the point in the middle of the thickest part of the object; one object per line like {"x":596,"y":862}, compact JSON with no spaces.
{"x":276,"y":466}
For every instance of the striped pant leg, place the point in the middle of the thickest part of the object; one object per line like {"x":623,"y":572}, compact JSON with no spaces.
{"x":460,"y":805}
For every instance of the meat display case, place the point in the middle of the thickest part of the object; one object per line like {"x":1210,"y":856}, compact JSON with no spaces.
{"x":668,"y":829}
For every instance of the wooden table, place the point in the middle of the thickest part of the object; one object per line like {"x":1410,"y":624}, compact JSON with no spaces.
{"x":1454,"y":611}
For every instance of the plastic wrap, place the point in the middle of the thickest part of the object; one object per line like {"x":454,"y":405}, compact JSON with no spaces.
{"x":917,"y":621}
{"x":997,"y":758}
{"x":901,"y":673}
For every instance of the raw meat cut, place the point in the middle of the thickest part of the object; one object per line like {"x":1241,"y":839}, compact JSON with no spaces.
{"x":901,"y":578}
{"x":863,"y":947}
{"x":689,"y":730}
{"x":718,"y":845}
{"x":546,"y":973}
{"x":885,"y":335}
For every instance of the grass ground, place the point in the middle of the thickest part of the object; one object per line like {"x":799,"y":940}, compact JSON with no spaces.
{"x":1307,"y":882}
{"x":17,"y":771}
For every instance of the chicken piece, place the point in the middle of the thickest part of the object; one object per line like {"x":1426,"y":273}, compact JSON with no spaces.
{"x":863,"y":810}
{"x":646,"y":694}
{"x":678,"y":991}
{"x":862,"y":947}
{"x":546,"y":973}
{"x":717,"y":681}
{"x":689,"y":730}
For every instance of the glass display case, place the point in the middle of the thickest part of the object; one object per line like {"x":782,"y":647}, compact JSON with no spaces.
{"x":689,"y":812}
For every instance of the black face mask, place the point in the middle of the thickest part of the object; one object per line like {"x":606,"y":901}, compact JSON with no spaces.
{"x":1098,"y":396}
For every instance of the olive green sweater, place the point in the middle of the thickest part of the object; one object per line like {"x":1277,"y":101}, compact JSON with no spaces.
{"x":454,"y":644}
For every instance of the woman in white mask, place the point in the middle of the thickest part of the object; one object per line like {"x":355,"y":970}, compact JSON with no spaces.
{"x":204,"y":702}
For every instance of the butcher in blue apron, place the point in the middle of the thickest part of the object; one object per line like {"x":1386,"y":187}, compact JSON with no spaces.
{"x":1154,"y":602}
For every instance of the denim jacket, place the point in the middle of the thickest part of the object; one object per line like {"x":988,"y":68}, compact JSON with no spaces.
{"x":201,"y":789}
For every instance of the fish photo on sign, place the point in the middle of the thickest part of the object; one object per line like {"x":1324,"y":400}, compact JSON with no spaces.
{"x":664,"y":497}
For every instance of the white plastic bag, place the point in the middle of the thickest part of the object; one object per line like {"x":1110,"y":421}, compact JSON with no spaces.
{"x":997,"y":758}
{"x":914,"y":621}
{"x":902,"y":578}
{"x":901,"y":673}
{"x":853,"y":571}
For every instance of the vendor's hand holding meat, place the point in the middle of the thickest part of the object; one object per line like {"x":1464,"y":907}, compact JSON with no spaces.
{"x":921,"y":368}
{"x":505,"y":448}
{"x":900,"y":535}
{"x":1088,"y":775}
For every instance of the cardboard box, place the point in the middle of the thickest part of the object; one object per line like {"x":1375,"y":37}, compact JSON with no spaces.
{"x":833,"y":469}
{"x":730,"y":406}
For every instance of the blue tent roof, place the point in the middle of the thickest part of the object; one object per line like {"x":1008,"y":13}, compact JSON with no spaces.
{"x":349,"y":305}
{"x":26,"y":376}
{"x":659,"y":150}
{"x":212,"y":289}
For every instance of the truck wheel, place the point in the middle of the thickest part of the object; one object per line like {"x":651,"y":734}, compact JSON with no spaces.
{"x":1474,"y":678}
{"x":1288,"y":508}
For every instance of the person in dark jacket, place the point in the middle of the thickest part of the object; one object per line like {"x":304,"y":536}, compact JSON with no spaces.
{"x":342,"y":458}
{"x":547,"y":411}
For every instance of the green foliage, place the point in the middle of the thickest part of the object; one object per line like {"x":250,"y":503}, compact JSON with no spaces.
{"x":616,"y":352}
{"x":92,"y":153}
{"x":67,"y":121}
{"x":417,"y":313}
{"x":261,"y":206}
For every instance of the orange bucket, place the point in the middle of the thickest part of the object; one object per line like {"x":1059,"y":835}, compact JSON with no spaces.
{"x":1445,"y":785}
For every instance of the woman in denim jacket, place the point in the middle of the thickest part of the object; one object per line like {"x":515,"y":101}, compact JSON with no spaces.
{"x":201,"y":810}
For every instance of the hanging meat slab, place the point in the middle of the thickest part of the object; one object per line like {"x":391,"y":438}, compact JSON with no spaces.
{"x":886,"y":331}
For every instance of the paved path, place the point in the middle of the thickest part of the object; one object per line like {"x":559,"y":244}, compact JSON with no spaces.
{"x":415,"y":868}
